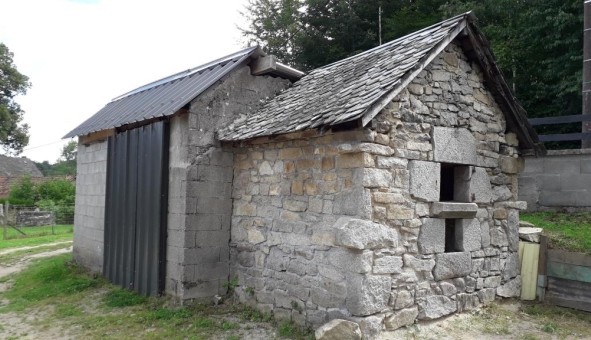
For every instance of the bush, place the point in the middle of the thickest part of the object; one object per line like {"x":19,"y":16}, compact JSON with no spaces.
{"x":49,"y":194}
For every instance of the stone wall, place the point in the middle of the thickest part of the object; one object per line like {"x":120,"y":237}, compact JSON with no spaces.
{"x":89,"y":215}
{"x":35,"y":218}
{"x":560,"y":180}
{"x":200,"y":204}
{"x":350,"y":224}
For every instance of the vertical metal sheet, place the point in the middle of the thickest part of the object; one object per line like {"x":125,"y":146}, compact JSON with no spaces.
{"x":136,"y":208}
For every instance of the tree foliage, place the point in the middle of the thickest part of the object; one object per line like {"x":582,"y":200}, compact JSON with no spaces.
{"x":55,"y":192}
{"x":14,"y":136}
{"x":65,"y":165}
{"x":538,"y":44}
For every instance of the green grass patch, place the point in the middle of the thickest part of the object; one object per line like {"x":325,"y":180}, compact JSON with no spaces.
{"x":35,"y":236}
{"x":46,"y":279}
{"x":123,"y":298}
{"x":15,"y":256}
{"x":568,"y":231}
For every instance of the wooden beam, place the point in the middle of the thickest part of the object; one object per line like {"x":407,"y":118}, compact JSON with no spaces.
{"x":96,"y":137}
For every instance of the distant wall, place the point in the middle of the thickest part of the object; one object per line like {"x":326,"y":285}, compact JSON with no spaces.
{"x":560,"y":180}
{"x":89,"y":216}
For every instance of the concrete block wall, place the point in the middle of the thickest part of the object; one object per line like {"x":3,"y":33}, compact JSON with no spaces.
{"x":559,"y":180}
{"x":203,"y":185}
{"x":89,"y":215}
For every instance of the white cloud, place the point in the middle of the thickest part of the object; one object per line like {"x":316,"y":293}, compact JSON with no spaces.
{"x":81,"y":54}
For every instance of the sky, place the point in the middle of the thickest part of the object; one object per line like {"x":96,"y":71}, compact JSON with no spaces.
{"x":80,"y":54}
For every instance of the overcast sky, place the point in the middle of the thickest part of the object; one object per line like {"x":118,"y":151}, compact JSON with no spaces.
{"x":80,"y":54}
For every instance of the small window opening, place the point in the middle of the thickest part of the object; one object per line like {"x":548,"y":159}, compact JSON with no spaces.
{"x":451,"y":241}
{"x":447,"y":183}
{"x":455,"y":183}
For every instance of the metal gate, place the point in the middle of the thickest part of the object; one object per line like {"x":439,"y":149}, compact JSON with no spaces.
{"x":136,"y":208}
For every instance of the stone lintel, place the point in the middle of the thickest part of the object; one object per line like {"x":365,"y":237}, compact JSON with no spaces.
{"x":454,"y":210}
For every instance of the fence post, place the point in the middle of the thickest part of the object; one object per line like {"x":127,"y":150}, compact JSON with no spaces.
{"x":542,"y":278}
{"x":5,"y":224}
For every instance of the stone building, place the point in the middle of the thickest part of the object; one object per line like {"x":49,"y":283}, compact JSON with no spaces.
{"x":381,"y":188}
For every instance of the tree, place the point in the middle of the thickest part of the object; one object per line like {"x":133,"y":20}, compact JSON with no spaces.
{"x":14,"y":136}
{"x":69,"y":151}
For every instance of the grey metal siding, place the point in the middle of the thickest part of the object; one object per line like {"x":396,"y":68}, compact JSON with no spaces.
{"x":136,"y":208}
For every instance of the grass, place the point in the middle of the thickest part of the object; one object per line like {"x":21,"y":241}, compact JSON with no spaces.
{"x":558,"y":320}
{"x":568,"y":231}
{"x":49,"y":278}
{"x":35,"y":236}
{"x":60,"y":293}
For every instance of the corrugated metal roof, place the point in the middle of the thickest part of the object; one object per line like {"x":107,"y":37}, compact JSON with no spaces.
{"x":161,"y":98}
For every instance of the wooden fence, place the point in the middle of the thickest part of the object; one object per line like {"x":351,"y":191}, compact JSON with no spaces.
{"x":566,"y":277}
{"x":562,"y":137}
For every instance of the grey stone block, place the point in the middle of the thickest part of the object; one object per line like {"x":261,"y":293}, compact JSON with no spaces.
{"x":436,"y":306}
{"x":486,"y":295}
{"x":511,"y":165}
{"x":512,"y":266}
{"x":511,"y":288}
{"x":454,"y":145}
{"x":387,"y":265}
{"x":512,"y":230}
{"x":467,"y":302}
{"x":586,"y":166}
{"x":468,"y":234}
{"x":351,"y":260}
{"x":451,"y":265}
{"x":363,"y":234}
{"x":401,"y":318}
{"x":367,"y":294}
{"x":338,"y":329}
{"x":355,"y":202}
{"x":424,"y":180}
{"x":374,"y":178}
{"x":485,"y":233}
{"x":454,"y":209}
{"x":432,"y":236}
{"x":480,"y":189}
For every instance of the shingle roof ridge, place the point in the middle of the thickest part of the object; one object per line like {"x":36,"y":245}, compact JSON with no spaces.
{"x":394,"y":42}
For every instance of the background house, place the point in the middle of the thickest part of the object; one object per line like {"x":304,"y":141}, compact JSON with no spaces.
{"x":382,"y":187}
{"x":12,"y":169}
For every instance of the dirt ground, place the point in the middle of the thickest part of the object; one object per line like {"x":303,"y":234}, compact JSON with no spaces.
{"x":502,"y":320}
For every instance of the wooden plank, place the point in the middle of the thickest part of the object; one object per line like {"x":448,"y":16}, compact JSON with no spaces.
{"x":542,"y":268}
{"x":579,"y":259}
{"x":569,"y":271}
{"x":96,"y":136}
{"x":529,"y":270}
{"x":559,"y":120}
{"x":565,"y":137}
{"x":568,"y":293}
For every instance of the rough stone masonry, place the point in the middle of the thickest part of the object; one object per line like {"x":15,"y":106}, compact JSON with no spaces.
{"x":364,"y":224}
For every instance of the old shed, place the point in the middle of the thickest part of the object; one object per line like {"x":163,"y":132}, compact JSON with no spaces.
{"x":381,"y":188}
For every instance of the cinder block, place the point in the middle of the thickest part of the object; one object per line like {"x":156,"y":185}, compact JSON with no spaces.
{"x":561,"y":166}
{"x":586,"y":166}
